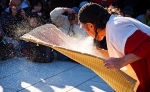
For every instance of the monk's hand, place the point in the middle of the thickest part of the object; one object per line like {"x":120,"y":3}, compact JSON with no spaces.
{"x":113,"y":63}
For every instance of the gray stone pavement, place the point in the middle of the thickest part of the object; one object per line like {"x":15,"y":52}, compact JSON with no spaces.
{"x":21,"y":75}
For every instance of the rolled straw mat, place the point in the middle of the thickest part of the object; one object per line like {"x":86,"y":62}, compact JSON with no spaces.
{"x":90,"y":57}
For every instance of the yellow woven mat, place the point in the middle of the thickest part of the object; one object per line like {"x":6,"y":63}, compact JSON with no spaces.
{"x":90,"y":57}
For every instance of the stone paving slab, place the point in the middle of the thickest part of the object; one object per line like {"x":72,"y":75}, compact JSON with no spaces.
{"x":21,"y":75}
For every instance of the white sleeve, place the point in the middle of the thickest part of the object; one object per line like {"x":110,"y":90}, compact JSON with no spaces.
{"x":118,"y":30}
{"x":56,"y":16}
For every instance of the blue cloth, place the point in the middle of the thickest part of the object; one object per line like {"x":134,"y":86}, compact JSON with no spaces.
{"x":82,"y":3}
{"x":76,"y":9}
{"x":24,"y":5}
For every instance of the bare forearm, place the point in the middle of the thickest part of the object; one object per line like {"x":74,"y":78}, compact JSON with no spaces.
{"x":117,"y":63}
{"x":129,"y":58}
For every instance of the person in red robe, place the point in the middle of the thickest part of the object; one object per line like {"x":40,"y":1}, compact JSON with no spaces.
{"x":128,"y":40}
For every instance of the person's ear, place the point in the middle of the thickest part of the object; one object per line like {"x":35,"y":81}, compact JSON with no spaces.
{"x":90,"y":25}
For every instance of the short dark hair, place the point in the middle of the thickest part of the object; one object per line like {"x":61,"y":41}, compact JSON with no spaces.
{"x":33,"y":15}
{"x":36,"y":2}
{"x":95,"y":14}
